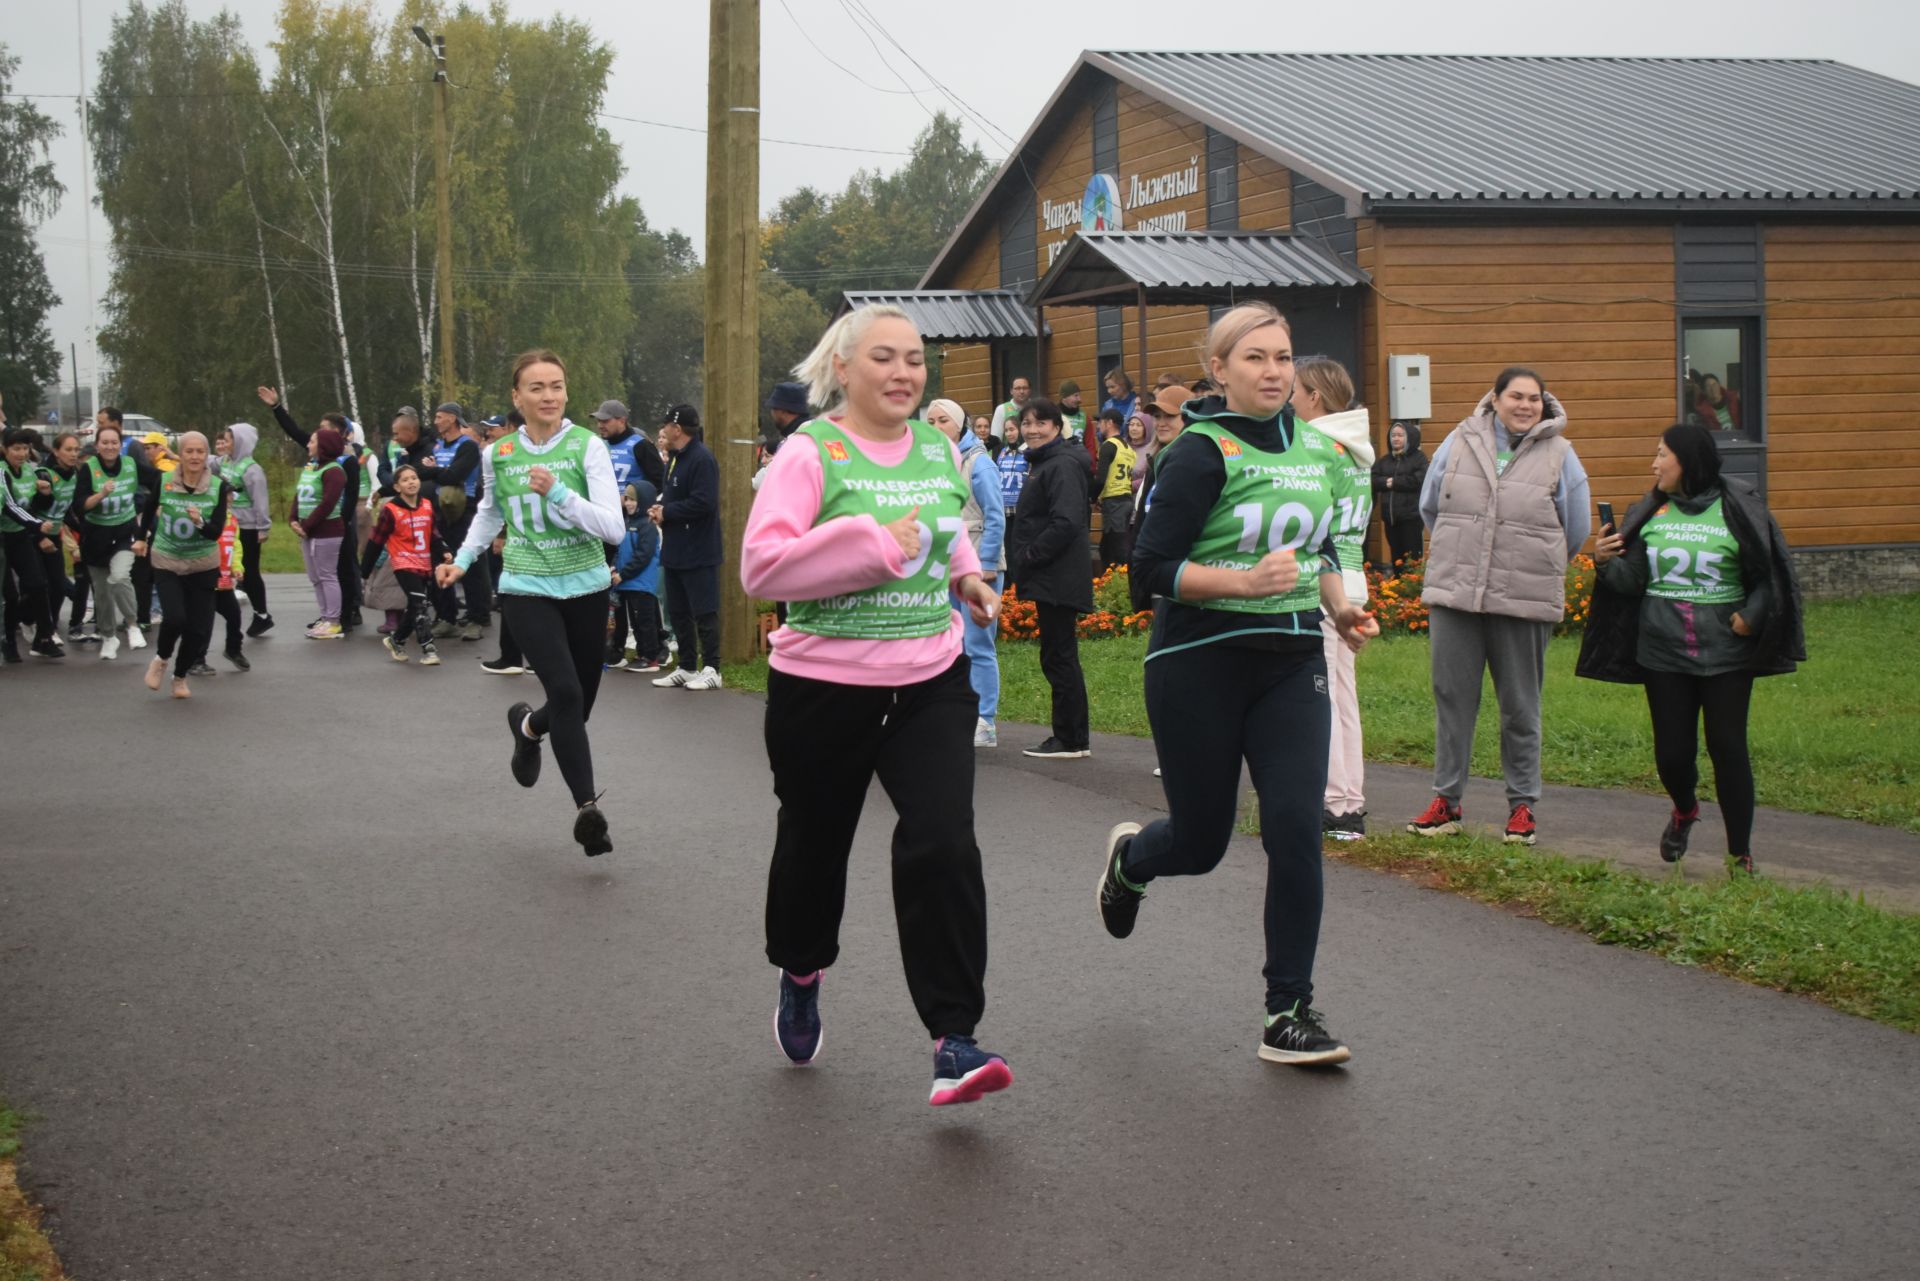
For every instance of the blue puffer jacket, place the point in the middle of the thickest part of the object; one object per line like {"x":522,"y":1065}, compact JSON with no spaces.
{"x":638,"y":560}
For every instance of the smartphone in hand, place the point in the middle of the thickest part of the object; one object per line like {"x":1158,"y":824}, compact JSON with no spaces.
{"x":1606,"y":518}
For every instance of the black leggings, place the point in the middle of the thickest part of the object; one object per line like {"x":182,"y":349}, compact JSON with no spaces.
{"x":252,"y":581}
{"x":566,"y":641}
{"x":1678,"y":703}
{"x":26,"y":602}
{"x":417,"y":621}
{"x":1406,"y":540}
{"x":227,"y":605}
{"x":826,"y":742}
{"x":1210,"y":708}
{"x":186,"y":609}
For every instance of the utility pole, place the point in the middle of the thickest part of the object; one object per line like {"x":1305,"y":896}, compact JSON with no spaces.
{"x":442,"y":162}
{"x":86,"y":212}
{"x":732,"y":364}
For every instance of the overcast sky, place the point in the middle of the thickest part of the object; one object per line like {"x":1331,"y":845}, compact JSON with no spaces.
{"x":1002,"y":57}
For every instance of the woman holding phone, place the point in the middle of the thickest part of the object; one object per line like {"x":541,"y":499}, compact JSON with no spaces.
{"x":1695,"y":597}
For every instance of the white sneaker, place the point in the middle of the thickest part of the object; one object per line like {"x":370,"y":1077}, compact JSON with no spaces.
{"x":674,"y":679}
{"x":705,"y":678}
{"x":1156,"y":771}
{"x":134,"y":639}
{"x":985,"y":734}
{"x":110,"y":648}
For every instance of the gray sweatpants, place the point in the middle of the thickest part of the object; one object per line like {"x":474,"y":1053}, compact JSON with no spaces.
{"x":1515,"y":650}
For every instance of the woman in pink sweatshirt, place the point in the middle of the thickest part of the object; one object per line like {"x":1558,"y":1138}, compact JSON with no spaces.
{"x":858,"y":526}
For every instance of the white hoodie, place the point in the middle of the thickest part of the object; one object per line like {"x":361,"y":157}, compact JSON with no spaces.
{"x":1351,"y":429}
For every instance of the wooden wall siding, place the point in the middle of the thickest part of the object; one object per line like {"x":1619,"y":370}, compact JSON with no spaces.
{"x":1843,"y":382}
{"x":1611,"y":362}
{"x":1155,"y":139}
{"x":980,"y":268}
{"x":966,"y":374}
{"x":1266,"y":193}
{"x":1060,"y":175}
{"x":1073,"y":351}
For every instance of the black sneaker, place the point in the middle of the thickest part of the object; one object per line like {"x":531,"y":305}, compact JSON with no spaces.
{"x":501,"y":667}
{"x":1297,"y":1036}
{"x":201,"y":669}
{"x":239,"y":660}
{"x":796,"y":1020}
{"x":9,"y":654}
{"x":526,"y":751}
{"x":261,"y":625}
{"x":590,"y":829}
{"x":1673,"y":841}
{"x":1345,"y":827}
{"x":1119,"y":904}
{"x":1055,"y":750}
{"x":47,"y":649}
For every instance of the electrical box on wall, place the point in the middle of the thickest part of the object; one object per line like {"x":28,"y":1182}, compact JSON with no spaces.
{"x":1410,"y":384}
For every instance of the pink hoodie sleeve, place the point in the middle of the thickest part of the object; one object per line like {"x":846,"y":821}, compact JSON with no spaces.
{"x":786,"y":557}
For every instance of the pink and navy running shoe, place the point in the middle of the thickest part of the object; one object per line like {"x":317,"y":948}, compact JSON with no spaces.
{"x":965,"y":1073}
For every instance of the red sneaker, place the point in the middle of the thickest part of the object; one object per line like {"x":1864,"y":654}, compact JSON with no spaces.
{"x":1520,"y":825}
{"x":1442,"y":818}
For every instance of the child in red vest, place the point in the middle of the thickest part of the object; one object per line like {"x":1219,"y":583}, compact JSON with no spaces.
{"x":225,"y":603}
{"x":407,"y":533}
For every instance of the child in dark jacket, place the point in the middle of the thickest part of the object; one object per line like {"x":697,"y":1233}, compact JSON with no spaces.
{"x":636,"y":571}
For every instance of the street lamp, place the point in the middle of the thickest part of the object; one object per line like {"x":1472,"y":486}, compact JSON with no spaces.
{"x":442,"y":161}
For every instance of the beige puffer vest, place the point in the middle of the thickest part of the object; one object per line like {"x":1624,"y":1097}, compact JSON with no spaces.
{"x":1498,"y":546}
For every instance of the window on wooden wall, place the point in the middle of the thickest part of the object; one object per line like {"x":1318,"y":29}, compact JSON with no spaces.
{"x":1720,"y":374}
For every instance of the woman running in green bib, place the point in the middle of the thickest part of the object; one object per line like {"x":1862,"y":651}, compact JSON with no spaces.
{"x":860,"y":526}
{"x":107,"y":497}
{"x":181,"y":527}
{"x":1239,"y":552}
{"x":550,"y":486}
{"x":1696,"y":596}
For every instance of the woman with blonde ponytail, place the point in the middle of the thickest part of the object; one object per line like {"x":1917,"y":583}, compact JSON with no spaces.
{"x":860,"y":526}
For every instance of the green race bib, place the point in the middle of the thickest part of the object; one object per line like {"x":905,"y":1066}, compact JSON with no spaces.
{"x":115,"y":508}
{"x":1274,"y":502}
{"x":540,"y":539}
{"x":175,"y":531}
{"x":235,"y":474}
{"x":1693,"y":558}
{"x":915,"y":604}
{"x":306,"y":495}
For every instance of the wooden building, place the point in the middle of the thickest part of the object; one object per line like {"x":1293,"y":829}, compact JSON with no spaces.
{"x":1630,"y":227}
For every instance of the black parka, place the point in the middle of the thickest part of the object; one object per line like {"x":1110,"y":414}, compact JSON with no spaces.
{"x":1610,"y":646}
{"x":1051,"y":560}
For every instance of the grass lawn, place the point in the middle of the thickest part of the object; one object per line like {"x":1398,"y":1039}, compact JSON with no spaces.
{"x":1841,"y":736}
{"x":281,"y":555}
{"x":24,"y":1252}
{"x":1810,"y":940}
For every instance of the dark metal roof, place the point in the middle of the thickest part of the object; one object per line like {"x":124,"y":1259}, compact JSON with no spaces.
{"x":1391,"y":129}
{"x":954,"y":315}
{"x":1173,"y":266}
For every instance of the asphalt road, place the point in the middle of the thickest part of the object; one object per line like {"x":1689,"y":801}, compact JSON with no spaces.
{"x":311,"y":990}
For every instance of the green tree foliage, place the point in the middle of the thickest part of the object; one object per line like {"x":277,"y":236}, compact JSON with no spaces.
{"x":282,"y":230}
{"x":29,"y":194}
{"x":883,"y":230}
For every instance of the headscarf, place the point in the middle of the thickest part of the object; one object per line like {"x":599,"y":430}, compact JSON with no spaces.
{"x":959,"y":415}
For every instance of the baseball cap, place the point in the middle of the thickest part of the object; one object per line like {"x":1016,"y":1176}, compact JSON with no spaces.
{"x":1168,"y":400}
{"x":611,"y":409}
{"x":452,"y":407}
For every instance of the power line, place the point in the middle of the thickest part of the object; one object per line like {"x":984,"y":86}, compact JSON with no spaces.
{"x":843,"y":67}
